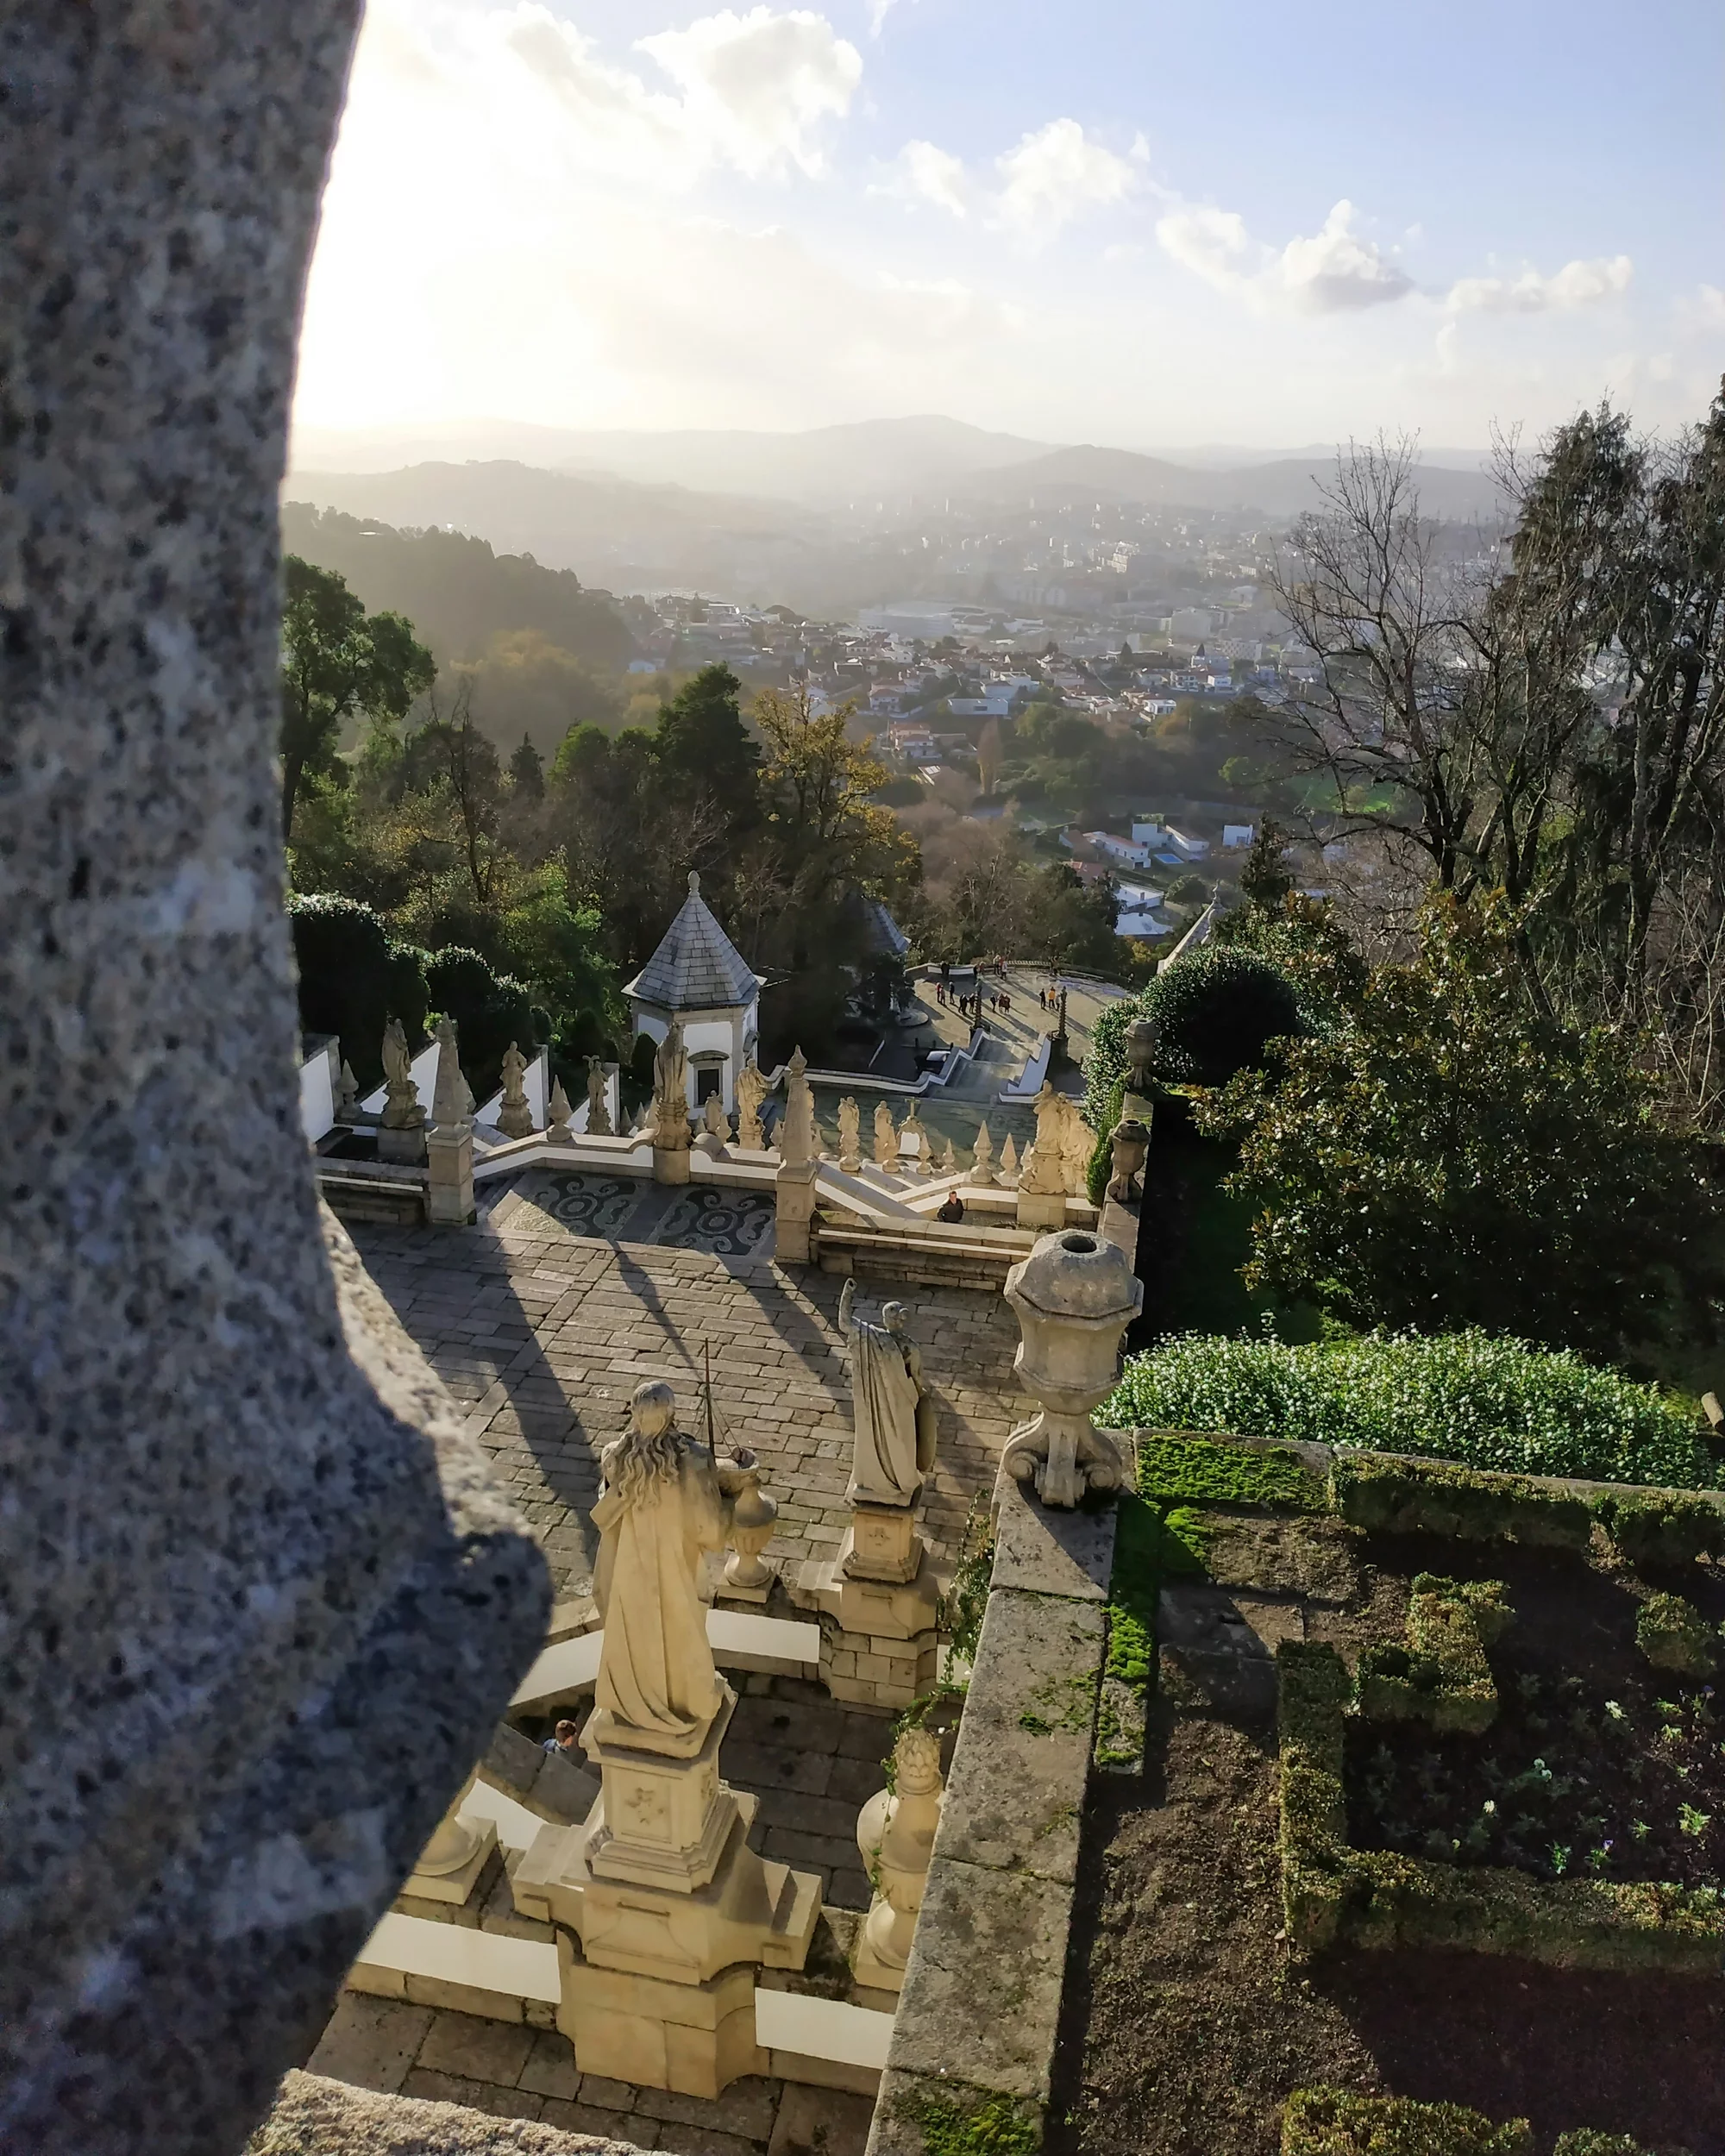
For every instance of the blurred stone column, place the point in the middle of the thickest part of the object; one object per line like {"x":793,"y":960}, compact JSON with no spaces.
{"x":260,"y":1599}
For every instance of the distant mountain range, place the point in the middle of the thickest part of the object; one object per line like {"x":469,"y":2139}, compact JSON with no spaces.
{"x":878,"y":460}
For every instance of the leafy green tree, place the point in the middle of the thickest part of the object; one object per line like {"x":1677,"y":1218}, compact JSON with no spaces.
{"x":1264,"y":878}
{"x":1448,"y":1156}
{"x":338,"y":663}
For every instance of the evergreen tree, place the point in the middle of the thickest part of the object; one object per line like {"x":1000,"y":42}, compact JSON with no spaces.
{"x":527,"y":771}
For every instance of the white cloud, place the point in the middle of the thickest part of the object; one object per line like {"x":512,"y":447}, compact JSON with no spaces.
{"x":1578,"y":284}
{"x":1334,"y":271}
{"x":1709,"y":306}
{"x":761,"y":84}
{"x":924,"y":173}
{"x":1056,"y":174}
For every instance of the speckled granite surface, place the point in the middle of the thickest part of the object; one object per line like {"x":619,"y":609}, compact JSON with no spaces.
{"x":316,"y":2117}
{"x":259,"y":1601}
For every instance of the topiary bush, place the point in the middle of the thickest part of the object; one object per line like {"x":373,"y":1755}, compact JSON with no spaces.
{"x":353,"y":979}
{"x":1216,"y":1012}
{"x":1659,"y":1533}
{"x":1468,"y":1396}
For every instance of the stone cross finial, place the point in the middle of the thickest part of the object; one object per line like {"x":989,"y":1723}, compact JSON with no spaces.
{"x":886,"y":1137}
{"x":982,"y":1170}
{"x":557,"y":1125}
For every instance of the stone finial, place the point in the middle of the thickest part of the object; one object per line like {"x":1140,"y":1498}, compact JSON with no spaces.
{"x":982,"y":1168}
{"x":514,"y":1115}
{"x":949,"y":1159}
{"x":1141,"y":1047}
{"x":895,"y":1835}
{"x":557,"y":1127}
{"x":694,"y":883}
{"x":797,"y":1136}
{"x":849,"y":1136}
{"x":1074,"y":1297}
{"x":886,"y":1137}
{"x":451,"y":1100}
{"x":753,"y":1515}
{"x":1009,"y":1162}
{"x":347,"y":1094}
{"x":1131,"y":1149}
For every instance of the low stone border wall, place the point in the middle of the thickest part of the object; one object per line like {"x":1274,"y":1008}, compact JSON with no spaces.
{"x":980,"y":2006}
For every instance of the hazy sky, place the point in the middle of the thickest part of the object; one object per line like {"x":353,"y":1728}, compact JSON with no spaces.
{"x":1119,"y":221}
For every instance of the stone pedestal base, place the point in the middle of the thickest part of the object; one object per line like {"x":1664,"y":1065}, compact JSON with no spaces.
{"x":454,"y":1886}
{"x":884,"y":1651}
{"x":794,"y":1193}
{"x":868,"y":1965}
{"x":450,"y":1198}
{"x":692,"y":2039}
{"x":404,"y":1148}
{"x":1037,"y":1211}
{"x":671,"y":1163}
{"x":882,"y":1543}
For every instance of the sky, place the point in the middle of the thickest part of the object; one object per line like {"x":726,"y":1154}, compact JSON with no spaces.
{"x":1110,"y":221}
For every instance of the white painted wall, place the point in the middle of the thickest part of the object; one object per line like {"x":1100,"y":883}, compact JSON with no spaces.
{"x":318,"y":1076}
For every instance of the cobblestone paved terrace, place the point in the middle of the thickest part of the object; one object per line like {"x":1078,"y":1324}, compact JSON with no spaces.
{"x":542,"y":1333}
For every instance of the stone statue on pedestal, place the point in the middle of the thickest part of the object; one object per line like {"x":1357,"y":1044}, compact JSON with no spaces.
{"x":599,"y":1115}
{"x":402,"y":1109}
{"x":515,"y":1116}
{"x":671,"y":1090}
{"x":665,"y":1503}
{"x":894,"y":1416}
{"x":849,"y":1136}
{"x":797,"y":1138}
{"x":886,"y":1137}
{"x":751,"y":1091}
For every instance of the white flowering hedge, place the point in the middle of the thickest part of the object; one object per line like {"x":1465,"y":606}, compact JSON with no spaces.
{"x":1468,"y":1396}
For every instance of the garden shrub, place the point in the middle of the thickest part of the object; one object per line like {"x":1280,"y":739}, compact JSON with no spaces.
{"x":353,"y":979}
{"x":1100,"y":1164}
{"x":1674,"y":1635}
{"x":1471,"y":1396}
{"x":973,"y":2124}
{"x":1332,"y":1893}
{"x":1176,"y":1469}
{"x":1392,"y":1496}
{"x":1660,"y":1533}
{"x":1586,"y":2141}
{"x":1216,"y":1012}
{"x":1331,"y":2122}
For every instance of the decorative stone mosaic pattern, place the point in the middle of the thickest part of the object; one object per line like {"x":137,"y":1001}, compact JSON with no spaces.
{"x":727,"y":1223}
{"x":542,"y":1334}
{"x":584,"y":1204}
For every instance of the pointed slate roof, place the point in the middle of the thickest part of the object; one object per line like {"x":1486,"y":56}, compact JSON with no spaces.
{"x":696,"y":967}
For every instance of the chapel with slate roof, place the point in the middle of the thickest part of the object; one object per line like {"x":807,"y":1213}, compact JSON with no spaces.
{"x":699,"y":976}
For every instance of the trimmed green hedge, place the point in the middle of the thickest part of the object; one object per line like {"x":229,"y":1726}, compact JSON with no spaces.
{"x":1468,"y":1396}
{"x":1391,"y":1496}
{"x":1660,"y":1533}
{"x":1441,"y":1677}
{"x":1332,"y":1893}
{"x":1331,"y":2122}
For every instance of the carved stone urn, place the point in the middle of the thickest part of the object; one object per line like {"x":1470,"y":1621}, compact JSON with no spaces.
{"x":754,"y":1516}
{"x":1074,"y":1297}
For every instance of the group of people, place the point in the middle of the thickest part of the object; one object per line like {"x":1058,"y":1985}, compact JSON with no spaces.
{"x":970,"y":1006}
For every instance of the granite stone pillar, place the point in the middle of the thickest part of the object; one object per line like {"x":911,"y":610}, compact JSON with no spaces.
{"x":259,"y":1601}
